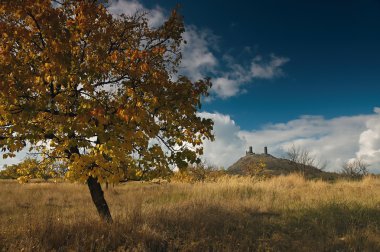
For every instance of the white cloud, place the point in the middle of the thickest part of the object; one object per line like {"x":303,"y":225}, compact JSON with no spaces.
{"x":225,"y":87}
{"x":232,"y":81}
{"x":334,"y":140}
{"x":198,"y":59}
{"x":228,"y":145}
{"x":369,"y":140}
{"x":156,"y":16}
{"x":267,"y":70}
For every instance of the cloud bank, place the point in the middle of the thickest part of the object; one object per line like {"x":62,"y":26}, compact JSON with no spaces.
{"x":335,"y":140}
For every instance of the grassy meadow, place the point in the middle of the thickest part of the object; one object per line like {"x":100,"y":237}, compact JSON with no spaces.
{"x":285,"y":213}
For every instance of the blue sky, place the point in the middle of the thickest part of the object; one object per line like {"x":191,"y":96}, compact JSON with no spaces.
{"x":304,"y":73}
{"x":332,"y":47}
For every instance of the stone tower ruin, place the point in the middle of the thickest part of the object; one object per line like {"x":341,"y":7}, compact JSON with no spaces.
{"x":249,"y":152}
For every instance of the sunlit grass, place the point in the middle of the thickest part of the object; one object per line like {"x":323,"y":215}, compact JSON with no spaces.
{"x":235,"y":213}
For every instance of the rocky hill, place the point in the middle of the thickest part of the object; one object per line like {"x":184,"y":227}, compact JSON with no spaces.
{"x":277,"y":166}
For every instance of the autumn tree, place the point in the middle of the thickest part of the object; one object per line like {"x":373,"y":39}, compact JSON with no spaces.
{"x":9,"y":172}
{"x":198,"y":173}
{"x":31,"y":168}
{"x":97,"y":92}
{"x":255,"y":169}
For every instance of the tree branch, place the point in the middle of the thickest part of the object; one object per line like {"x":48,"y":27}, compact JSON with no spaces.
{"x":38,"y":27}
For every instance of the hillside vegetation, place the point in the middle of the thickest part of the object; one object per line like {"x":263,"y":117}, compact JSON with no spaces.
{"x":279,"y":166}
{"x":283,"y":213}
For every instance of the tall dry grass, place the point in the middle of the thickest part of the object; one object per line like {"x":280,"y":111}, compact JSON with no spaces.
{"x":286,"y":213}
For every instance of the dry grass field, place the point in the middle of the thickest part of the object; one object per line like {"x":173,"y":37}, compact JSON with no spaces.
{"x":286,"y":213}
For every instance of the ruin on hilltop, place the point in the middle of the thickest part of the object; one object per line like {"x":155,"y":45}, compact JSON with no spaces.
{"x":275,"y":166}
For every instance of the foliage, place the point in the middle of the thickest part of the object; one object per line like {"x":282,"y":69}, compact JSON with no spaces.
{"x":32,"y":169}
{"x":255,"y":169}
{"x":9,"y":172}
{"x":95,"y":92}
{"x":198,"y":173}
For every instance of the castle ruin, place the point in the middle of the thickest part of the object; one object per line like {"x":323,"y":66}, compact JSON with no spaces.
{"x":250,"y":151}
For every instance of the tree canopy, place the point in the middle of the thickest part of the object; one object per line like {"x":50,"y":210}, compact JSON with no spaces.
{"x":98,"y":92}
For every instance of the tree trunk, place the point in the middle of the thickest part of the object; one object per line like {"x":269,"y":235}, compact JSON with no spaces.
{"x":97,"y":196}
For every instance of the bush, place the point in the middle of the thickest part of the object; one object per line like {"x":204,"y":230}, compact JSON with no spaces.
{"x":256,"y":169}
{"x":355,"y":169}
{"x":198,"y":173}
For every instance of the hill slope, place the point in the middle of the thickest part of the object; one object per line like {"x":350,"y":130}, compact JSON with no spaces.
{"x":278,"y":166}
